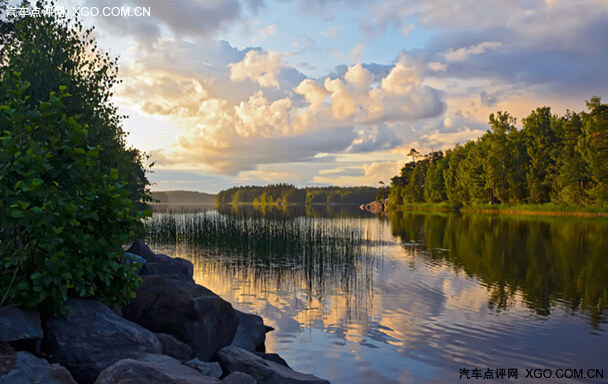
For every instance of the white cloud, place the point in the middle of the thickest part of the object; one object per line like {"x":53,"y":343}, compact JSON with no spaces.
{"x":264,"y":33}
{"x":462,"y":54}
{"x":261,"y":67}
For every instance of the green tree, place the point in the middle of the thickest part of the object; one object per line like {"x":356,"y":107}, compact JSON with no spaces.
{"x":434,"y":184}
{"x":64,"y":218}
{"x":50,"y":52}
{"x":455,"y":192}
{"x":573,"y":173}
{"x":541,"y":144}
{"x":594,"y":148}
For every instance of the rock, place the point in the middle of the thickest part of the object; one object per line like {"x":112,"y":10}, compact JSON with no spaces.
{"x":30,"y":369}
{"x":141,"y":249}
{"x":239,"y":378}
{"x":152,"y":369}
{"x":242,"y":339}
{"x":178,"y":267}
{"x":254,"y":326}
{"x":92,"y":337}
{"x":208,"y":369}
{"x":235,"y":359}
{"x":174,"y":348}
{"x":272,"y":357}
{"x":162,"y":265}
{"x":189,"y":312}
{"x":18,"y":324}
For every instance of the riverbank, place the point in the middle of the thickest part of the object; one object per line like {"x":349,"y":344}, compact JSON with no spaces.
{"x":507,"y":209}
{"x":174,"y":331}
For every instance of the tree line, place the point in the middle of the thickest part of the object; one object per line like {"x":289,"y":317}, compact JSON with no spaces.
{"x":289,"y":194}
{"x":552,"y":159}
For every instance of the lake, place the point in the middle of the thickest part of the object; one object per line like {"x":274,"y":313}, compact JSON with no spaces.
{"x":408,"y":297}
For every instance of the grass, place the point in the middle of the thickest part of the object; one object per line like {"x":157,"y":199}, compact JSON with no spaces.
{"x":551,"y":209}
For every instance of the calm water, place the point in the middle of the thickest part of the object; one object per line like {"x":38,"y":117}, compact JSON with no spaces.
{"x":409,"y":298}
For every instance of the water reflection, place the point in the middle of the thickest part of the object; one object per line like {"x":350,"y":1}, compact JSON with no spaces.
{"x":409,"y":298}
{"x":551,"y":261}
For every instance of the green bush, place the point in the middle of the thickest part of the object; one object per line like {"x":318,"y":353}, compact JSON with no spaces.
{"x":63,"y":218}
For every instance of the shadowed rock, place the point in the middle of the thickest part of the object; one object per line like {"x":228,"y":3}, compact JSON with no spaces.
{"x":236,"y":359}
{"x":18,"y":324}
{"x":189,"y":312}
{"x":30,"y":369}
{"x":175,"y":348}
{"x":92,"y":337}
{"x":152,"y":369}
{"x":239,"y":378}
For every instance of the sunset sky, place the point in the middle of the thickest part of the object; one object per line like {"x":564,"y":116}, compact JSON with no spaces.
{"x":336,"y":92}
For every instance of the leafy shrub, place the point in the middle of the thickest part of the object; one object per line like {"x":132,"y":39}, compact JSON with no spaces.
{"x":63,"y":219}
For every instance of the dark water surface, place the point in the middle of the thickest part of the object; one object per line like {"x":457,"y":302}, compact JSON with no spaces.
{"x":408,"y":298}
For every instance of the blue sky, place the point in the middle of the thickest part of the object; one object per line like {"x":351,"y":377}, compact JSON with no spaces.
{"x":231,"y":92}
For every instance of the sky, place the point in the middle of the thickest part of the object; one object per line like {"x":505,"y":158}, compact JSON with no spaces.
{"x":224,"y":93}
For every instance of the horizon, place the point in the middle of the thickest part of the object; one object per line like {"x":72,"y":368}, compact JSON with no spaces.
{"x":235,"y":93}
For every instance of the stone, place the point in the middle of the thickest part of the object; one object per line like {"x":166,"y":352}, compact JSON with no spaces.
{"x":213,"y":369}
{"x":92,"y":337}
{"x":190,"y":312}
{"x":239,"y":378}
{"x":254,"y":327}
{"x":180,"y":268}
{"x":30,"y":369}
{"x":18,"y":324}
{"x":235,"y":359}
{"x":174,"y":348}
{"x":152,"y":369}
{"x":242,"y":339}
{"x":272,"y":357}
{"x":140,"y":248}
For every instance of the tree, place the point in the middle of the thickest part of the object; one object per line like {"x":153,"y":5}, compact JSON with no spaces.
{"x":454,"y":190}
{"x":541,"y":144}
{"x":50,"y":52}
{"x":498,"y":163}
{"x":573,"y":173}
{"x":594,"y":148}
{"x":434,"y":184}
{"x":64,"y":218}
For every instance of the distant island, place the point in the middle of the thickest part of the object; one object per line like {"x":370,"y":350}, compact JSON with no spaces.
{"x":279,"y":194}
{"x":183,"y":197}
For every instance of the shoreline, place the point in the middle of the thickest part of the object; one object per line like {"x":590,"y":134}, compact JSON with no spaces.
{"x":531,"y":210}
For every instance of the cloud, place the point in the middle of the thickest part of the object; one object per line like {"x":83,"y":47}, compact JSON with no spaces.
{"x":462,"y":54}
{"x":261,"y":67}
{"x":241,"y":109}
{"x":263,"y":33}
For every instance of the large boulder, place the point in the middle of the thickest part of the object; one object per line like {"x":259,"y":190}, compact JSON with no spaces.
{"x":176,"y":267}
{"x":235,"y":359}
{"x":213,"y":369}
{"x":30,"y":369}
{"x":175,"y":348}
{"x":18,"y":324}
{"x":162,"y":265}
{"x":152,"y":369}
{"x":190,"y":312}
{"x":251,"y":332}
{"x":239,"y":378}
{"x":92,"y":337}
{"x":140,"y":248}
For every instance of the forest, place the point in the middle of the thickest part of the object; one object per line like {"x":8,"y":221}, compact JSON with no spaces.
{"x":289,"y":194}
{"x":552,"y":159}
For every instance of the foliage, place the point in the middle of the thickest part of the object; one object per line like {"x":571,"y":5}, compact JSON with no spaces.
{"x":50,"y":52}
{"x":289,"y":194}
{"x":560,"y":160}
{"x":64,"y":218}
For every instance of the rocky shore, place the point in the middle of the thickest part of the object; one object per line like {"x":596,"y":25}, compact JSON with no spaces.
{"x":173,"y":332}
